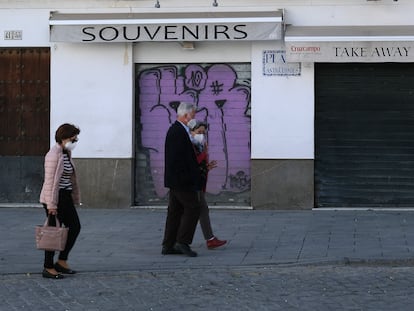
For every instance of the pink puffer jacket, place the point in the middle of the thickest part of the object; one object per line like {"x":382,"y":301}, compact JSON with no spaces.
{"x":53,"y":171}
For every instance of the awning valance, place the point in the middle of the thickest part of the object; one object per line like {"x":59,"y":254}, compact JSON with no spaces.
{"x":350,"y":44}
{"x":166,"y":27}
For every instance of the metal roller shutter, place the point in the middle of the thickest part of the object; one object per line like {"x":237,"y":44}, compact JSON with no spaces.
{"x":364,"y":135}
{"x":222,"y":95}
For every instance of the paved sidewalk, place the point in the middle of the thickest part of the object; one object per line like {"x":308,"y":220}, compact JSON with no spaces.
{"x":129,"y":239}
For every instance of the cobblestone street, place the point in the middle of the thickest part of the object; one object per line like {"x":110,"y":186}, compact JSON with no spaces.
{"x":308,"y":260}
{"x":245,"y":288}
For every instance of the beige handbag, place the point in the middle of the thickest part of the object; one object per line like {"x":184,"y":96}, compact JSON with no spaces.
{"x":51,"y":238}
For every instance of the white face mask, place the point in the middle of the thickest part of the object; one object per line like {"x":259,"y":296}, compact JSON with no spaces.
{"x":199,"y":138}
{"x":70,"y":146}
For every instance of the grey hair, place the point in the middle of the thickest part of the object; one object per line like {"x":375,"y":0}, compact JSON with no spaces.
{"x":194,"y":124}
{"x":185,"y":108}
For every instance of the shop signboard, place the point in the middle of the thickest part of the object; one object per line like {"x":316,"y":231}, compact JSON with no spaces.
{"x":344,"y":52}
{"x":167,"y":27}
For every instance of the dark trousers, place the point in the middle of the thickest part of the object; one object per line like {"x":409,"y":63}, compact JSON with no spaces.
{"x":68,"y":216}
{"x":182,"y":217}
{"x":205,"y":223}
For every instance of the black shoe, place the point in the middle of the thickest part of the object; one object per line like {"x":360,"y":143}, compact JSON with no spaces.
{"x":171,"y":251}
{"x":46,"y":274}
{"x":186,"y":250}
{"x":61,"y":269}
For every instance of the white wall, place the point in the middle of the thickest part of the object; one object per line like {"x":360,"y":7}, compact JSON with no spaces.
{"x":92,"y":87}
{"x":159,"y":52}
{"x":92,"y":84}
{"x":282,"y":111}
{"x":197,"y":5}
{"x":34,"y":25}
{"x":384,"y":12}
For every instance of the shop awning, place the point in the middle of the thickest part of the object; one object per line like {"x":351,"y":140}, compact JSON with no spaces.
{"x":166,"y":27}
{"x":350,"y":44}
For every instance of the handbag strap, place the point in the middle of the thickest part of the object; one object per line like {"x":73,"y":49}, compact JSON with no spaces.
{"x":47,"y":221}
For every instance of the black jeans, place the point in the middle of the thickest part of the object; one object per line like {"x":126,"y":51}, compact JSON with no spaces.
{"x":68,"y":216}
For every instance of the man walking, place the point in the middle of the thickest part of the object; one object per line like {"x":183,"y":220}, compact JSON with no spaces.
{"x":183,"y":178}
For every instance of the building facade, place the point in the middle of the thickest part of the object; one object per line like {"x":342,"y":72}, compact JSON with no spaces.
{"x":309,"y":103}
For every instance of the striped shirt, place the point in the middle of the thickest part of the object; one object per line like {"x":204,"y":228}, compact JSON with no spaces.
{"x":65,"y":180}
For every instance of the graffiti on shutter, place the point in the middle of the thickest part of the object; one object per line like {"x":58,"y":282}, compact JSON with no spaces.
{"x":222,"y":95}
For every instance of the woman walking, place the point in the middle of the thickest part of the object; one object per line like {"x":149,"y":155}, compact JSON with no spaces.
{"x":198,"y":132}
{"x":60,"y":193}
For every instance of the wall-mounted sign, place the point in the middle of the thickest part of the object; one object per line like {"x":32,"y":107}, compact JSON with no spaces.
{"x":344,"y":44}
{"x":13,"y":35}
{"x":275,"y":64}
{"x":350,"y":51}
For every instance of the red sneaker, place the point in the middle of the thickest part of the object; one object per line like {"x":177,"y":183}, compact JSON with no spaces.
{"x":214,"y":243}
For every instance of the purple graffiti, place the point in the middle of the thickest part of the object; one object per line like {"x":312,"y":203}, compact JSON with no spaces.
{"x":221,"y":102}
{"x":195,"y":77}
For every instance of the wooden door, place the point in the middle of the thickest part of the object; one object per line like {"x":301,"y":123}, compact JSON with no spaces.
{"x":24,"y":121}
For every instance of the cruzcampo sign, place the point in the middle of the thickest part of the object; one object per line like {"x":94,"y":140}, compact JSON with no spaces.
{"x":166,"y":27}
{"x":343,"y":52}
